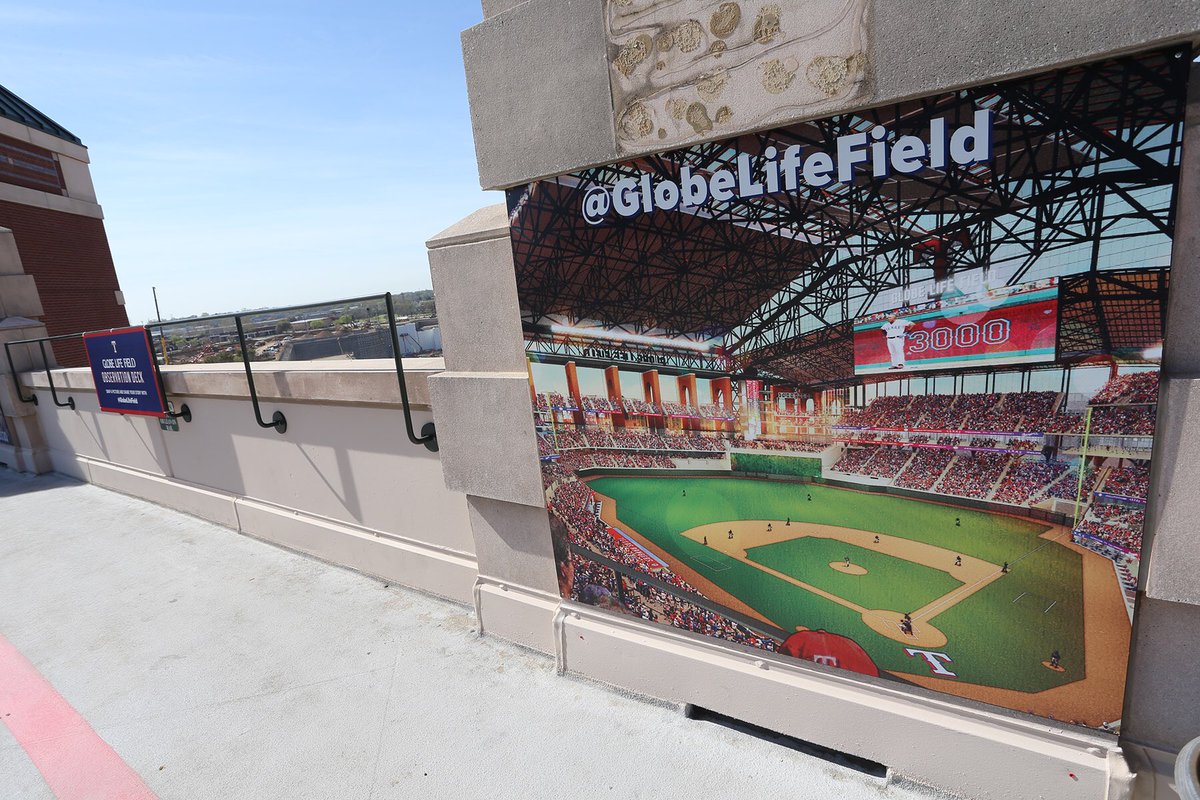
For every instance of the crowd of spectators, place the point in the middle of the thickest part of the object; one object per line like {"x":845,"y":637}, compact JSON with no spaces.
{"x":776,"y":444}
{"x":1028,"y":479}
{"x":575,"y":505}
{"x":575,"y":460}
{"x":854,"y":459}
{"x":1016,"y":412}
{"x":974,"y":474}
{"x":593,"y":405}
{"x":887,"y":463}
{"x":558,"y":402}
{"x":1115,"y":524}
{"x":650,"y":602}
{"x":1140,"y":387}
{"x":1065,"y":487}
{"x":876,"y":412}
{"x":597,"y":439}
{"x":926,"y":466}
{"x":1130,"y":481}
{"x":983,"y":412}
{"x":935,"y":411}
{"x":1127,"y":420}
{"x":640,"y":407}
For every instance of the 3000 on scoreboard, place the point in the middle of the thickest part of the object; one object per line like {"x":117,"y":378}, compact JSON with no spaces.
{"x":968,"y":334}
{"x":1021,"y":329}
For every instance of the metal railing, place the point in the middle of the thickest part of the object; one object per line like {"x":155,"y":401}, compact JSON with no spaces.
{"x":426,"y":438}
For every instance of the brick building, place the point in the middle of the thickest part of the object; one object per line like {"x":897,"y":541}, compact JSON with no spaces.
{"x":48,"y":202}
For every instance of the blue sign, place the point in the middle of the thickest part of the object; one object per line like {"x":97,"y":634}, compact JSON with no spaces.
{"x":125,"y":372}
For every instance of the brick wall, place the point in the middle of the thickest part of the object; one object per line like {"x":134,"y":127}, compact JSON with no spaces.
{"x":69,"y":258}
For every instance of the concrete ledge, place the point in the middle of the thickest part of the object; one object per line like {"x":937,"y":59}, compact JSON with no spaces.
{"x":198,"y":501}
{"x":366,"y":382}
{"x":516,"y":613}
{"x":53,"y":202}
{"x":976,"y":753}
{"x":439,"y":571}
{"x":489,"y":222}
{"x":10,"y":127}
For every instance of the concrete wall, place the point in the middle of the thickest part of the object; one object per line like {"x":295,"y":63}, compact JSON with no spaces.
{"x":343,"y":483}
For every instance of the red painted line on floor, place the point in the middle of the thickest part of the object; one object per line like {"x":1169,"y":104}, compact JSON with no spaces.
{"x":76,"y":763}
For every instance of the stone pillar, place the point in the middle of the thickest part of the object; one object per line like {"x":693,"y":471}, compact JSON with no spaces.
{"x":573,"y":395}
{"x":652,"y":393}
{"x":721,"y":390}
{"x":1161,"y":710}
{"x":612,"y":385}
{"x":485,"y":427}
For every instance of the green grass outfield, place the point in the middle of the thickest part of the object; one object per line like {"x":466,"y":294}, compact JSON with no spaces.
{"x":890,"y":582}
{"x":997,"y":637}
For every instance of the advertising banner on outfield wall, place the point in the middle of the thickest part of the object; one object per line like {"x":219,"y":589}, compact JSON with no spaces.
{"x":874,"y":392}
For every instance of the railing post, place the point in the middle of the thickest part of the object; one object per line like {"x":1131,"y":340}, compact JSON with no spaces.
{"x":278,"y":420}
{"x":428,"y":435}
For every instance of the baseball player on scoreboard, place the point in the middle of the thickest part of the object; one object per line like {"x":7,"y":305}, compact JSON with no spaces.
{"x":894,"y":329}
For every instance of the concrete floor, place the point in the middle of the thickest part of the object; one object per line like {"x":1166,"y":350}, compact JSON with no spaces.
{"x":218,"y":666}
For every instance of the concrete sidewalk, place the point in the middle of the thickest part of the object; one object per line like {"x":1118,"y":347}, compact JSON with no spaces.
{"x":218,"y":666}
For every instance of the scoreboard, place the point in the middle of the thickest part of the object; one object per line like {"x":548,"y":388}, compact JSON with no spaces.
{"x":1012,"y":325}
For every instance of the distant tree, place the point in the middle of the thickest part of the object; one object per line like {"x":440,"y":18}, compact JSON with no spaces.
{"x":283,"y":326}
{"x":345,"y":319}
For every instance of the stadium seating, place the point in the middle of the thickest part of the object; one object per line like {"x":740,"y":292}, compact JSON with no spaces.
{"x":926,"y":466}
{"x":1014,"y":412}
{"x":574,"y":504}
{"x":1117,"y":525}
{"x":974,"y":474}
{"x":1131,"y":481}
{"x":1140,"y":387}
{"x":1028,"y":479}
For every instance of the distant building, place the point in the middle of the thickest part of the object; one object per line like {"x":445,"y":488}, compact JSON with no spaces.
{"x":48,"y":202}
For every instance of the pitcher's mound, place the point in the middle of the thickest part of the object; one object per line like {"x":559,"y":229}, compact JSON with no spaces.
{"x":1048,"y":665}
{"x":853,"y":569}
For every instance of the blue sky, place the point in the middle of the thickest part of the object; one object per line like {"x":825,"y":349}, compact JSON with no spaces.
{"x":258,"y":153}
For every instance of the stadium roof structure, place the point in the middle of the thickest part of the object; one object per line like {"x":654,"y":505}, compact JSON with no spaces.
{"x":14,"y":108}
{"x":1084,"y":169}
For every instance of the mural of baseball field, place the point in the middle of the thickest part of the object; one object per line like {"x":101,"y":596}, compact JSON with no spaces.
{"x":875,"y":392}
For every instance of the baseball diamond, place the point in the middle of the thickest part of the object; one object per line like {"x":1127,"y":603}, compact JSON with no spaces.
{"x":986,"y":622}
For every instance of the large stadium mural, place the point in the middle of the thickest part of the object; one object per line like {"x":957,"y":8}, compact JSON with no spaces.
{"x":876,"y":391}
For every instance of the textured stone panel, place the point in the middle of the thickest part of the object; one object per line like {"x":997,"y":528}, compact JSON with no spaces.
{"x":687,"y":71}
